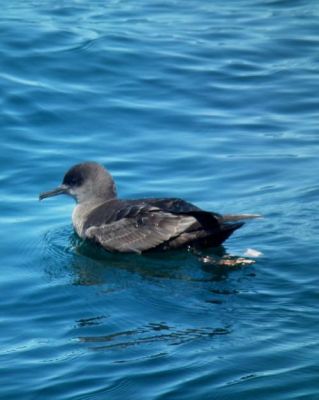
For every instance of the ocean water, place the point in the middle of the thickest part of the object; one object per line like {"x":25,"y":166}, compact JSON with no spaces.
{"x":212,"y":101}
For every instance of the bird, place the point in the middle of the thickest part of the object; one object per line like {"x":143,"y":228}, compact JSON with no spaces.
{"x":138,"y":225}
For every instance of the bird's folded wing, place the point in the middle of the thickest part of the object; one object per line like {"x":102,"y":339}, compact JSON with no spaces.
{"x":147,"y":230}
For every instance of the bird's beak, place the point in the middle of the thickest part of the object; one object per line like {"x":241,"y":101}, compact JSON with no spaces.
{"x":62,"y":189}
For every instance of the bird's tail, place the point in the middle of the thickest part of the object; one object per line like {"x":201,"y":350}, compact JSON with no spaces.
{"x":239,"y":217}
{"x":216,"y":239}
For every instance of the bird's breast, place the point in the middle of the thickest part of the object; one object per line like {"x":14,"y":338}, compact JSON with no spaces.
{"x":79,"y":217}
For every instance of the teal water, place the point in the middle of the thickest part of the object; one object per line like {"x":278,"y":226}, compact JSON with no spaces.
{"x":212,"y":101}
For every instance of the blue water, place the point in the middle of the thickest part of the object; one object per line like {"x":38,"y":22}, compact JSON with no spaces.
{"x":213,"y":101}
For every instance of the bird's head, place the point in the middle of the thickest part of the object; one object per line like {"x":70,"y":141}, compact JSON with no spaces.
{"x":85,"y":182}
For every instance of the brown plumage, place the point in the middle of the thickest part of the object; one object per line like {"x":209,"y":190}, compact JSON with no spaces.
{"x":138,"y":225}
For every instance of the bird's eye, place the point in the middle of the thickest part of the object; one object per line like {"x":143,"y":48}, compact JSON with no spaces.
{"x":73,"y":179}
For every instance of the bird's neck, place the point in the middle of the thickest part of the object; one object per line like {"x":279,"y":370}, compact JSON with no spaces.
{"x":81,"y":212}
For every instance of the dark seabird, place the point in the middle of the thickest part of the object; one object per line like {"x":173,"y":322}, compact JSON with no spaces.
{"x":138,"y":225}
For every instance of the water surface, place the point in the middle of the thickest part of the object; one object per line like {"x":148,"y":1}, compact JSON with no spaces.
{"x":215,"y":102}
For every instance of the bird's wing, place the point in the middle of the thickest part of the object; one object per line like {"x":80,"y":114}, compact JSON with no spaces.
{"x":173,"y":205}
{"x":140,"y":231}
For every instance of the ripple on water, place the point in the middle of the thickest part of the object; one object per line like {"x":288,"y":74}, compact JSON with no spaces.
{"x":212,"y":102}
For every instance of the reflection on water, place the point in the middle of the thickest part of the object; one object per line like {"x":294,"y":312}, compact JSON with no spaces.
{"x":91,"y":265}
{"x":152,"y":333}
{"x":175,"y":283}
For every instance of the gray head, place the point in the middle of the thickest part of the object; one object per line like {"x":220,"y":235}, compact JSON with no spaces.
{"x":85,"y":182}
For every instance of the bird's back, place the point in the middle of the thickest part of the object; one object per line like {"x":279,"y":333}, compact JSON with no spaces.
{"x":146,"y":224}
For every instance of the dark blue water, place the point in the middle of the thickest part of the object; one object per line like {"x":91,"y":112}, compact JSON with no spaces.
{"x":213,"y":101}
